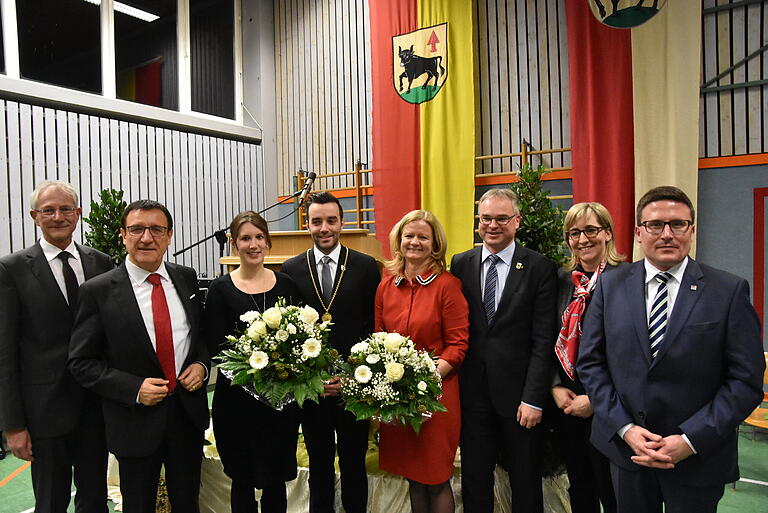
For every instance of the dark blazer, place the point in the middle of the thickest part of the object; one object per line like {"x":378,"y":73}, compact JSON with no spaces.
{"x":705,"y":380}
{"x":515,"y":349}
{"x":111,"y":353}
{"x":353,"y":306}
{"x":36,"y":389}
{"x":564,"y":298}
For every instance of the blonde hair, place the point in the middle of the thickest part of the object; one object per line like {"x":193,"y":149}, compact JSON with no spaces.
{"x":439,"y":242}
{"x":582,"y":210}
{"x":48,"y":184}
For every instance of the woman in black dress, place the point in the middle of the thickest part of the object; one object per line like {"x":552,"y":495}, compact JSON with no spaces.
{"x":588,"y":230}
{"x":257,"y":444}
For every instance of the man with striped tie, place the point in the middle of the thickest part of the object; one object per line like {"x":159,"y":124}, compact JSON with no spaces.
{"x":671,"y":358}
{"x":505,"y":378}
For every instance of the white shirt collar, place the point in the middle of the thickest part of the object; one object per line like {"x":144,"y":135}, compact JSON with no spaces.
{"x":676,"y":270}
{"x":50,"y":251}
{"x":334,"y":255}
{"x":505,"y":254}
{"x":139,"y":275}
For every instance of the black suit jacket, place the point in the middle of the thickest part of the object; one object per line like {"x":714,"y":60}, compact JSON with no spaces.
{"x":111,"y":353}
{"x":36,"y":389}
{"x":705,"y":380}
{"x":352,"y":310}
{"x":514,"y":350}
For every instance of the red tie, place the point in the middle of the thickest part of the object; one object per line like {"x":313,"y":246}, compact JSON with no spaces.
{"x":163,"y":331}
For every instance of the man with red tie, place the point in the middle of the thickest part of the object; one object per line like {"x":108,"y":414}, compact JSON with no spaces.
{"x":137,"y":343}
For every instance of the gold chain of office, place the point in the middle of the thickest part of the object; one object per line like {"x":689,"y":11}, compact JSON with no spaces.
{"x":327,"y":315}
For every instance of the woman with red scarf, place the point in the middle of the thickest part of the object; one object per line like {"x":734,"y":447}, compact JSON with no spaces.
{"x":588,"y":230}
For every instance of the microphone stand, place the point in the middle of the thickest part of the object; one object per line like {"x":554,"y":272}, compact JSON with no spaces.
{"x":221,"y":235}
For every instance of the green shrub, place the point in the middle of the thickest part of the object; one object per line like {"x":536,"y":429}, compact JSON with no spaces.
{"x":104,"y":224}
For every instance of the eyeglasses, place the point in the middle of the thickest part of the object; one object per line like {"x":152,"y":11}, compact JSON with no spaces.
{"x":500,"y":220}
{"x":678,"y":226}
{"x":137,"y":230}
{"x":589,"y":231}
{"x":51,"y":212}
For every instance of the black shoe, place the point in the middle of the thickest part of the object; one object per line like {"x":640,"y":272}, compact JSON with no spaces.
{"x":2,"y":454}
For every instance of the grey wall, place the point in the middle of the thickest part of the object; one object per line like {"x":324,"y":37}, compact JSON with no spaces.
{"x":726,"y":220}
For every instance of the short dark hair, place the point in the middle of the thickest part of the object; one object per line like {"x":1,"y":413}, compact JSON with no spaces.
{"x":321,"y":198}
{"x":146,"y":204}
{"x":664,"y":192}
{"x":249,"y":216}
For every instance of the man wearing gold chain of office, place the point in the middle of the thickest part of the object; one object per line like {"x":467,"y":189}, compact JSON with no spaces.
{"x":340,"y":283}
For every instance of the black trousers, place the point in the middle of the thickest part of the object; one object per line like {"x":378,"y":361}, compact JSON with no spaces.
{"x":82,"y":453}
{"x":647,"y":489}
{"x":589,"y":471}
{"x":328,"y":428}
{"x":181,"y":451}
{"x":486,"y":438}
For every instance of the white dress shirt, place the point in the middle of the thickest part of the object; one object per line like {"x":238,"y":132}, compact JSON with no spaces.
{"x":333,"y":264}
{"x":51,"y":254}
{"x":179,"y":324}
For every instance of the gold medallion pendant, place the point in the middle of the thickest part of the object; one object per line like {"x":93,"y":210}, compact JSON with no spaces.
{"x":327,"y":317}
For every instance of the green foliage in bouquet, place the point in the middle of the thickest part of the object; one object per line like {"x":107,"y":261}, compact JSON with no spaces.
{"x":104,"y":224}
{"x":386,"y":377}
{"x":282,"y":355}
{"x":541,"y":223}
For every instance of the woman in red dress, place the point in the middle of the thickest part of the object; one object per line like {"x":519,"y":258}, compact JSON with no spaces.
{"x":419,"y":299}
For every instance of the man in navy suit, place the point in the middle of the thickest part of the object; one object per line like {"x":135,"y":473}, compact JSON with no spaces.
{"x":671,"y":359}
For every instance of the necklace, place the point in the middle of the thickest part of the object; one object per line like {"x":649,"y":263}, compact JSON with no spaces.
{"x":327,"y":315}
{"x":263,"y":297}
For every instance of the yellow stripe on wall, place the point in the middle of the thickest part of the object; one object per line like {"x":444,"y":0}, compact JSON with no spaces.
{"x":665,"y":74}
{"x":447,"y":125}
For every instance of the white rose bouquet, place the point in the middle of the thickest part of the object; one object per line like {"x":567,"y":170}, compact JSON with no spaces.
{"x":386,"y":377}
{"x":282,"y":355}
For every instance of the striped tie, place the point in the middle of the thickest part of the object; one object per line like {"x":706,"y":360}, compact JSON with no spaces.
{"x":489,"y":294}
{"x":657,"y":325}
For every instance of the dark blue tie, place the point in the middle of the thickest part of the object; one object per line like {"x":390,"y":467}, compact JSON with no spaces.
{"x":657,"y":325}
{"x":489,"y":294}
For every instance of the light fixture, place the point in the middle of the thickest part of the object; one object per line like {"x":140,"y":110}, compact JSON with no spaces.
{"x":129,"y":10}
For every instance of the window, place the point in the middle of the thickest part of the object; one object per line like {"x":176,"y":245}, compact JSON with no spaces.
{"x":211,"y":26}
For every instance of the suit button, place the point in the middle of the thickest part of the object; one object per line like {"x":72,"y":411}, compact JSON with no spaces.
{"x":641,"y":414}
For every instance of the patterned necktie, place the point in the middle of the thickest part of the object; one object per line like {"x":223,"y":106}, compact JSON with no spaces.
{"x":70,"y":280}
{"x":326,"y":282}
{"x":657,"y":325}
{"x":489,"y":294}
{"x":161,"y":317}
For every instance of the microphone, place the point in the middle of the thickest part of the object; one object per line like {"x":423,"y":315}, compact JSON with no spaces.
{"x":307,"y":187}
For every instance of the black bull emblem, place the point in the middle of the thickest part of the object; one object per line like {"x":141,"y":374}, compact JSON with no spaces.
{"x":416,"y":66}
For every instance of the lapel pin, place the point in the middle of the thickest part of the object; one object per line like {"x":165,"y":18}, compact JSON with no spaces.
{"x":693,"y":287}
{"x":519,"y":265}
{"x":192,"y":296}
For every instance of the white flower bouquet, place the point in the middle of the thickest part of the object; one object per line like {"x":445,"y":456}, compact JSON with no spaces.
{"x":386,"y":377}
{"x":282,"y":355}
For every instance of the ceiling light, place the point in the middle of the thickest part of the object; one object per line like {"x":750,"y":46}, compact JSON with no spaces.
{"x":129,"y":10}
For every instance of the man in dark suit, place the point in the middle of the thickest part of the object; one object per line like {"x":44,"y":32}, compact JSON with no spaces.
{"x":137,"y":343}
{"x":46,"y":416}
{"x":505,"y":378}
{"x":671,"y":359}
{"x":340,"y":283}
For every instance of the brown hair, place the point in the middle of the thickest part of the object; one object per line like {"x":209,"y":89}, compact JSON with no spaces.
{"x":665,"y":192}
{"x":249,"y":216}
{"x":439,"y":242}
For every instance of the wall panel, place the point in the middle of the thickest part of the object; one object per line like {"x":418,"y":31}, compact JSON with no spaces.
{"x":522,"y":74}
{"x":203,"y":180}
{"x":734,"y":122}
{"x":323,"y":62}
